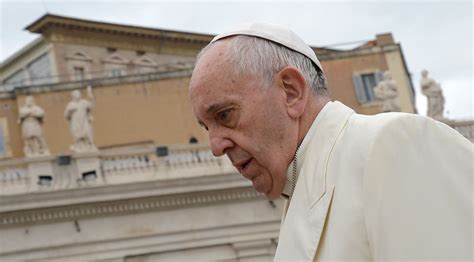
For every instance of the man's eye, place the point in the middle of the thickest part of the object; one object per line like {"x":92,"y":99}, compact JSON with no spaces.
{"x":223,"y":115}
{"x":227,"y":117}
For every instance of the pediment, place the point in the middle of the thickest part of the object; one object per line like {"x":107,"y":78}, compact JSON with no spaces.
{"x":144,"y":61}
{"x":79,"y":55}
{"x":115,"y":59}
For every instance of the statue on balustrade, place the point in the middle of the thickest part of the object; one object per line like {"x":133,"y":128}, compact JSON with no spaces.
{"x":79,"y":115}
{"x":31,"y":119}
{"x":433,"y":92}
{"x":386,"y":91}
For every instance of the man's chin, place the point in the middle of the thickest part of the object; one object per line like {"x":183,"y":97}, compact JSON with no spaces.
{"x":268,"y":193}
{"x":272,"y":195}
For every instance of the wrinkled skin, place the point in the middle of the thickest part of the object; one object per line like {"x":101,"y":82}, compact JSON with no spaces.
{"x":257,"y":127}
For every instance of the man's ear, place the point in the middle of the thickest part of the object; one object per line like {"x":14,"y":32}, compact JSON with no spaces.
{"x":295,"y":90}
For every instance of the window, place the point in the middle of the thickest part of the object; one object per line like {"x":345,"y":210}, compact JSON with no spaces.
{"x":111,"y":50}
{"x":79,"y":73}
{"x":368,"y":81}
{"x":364,"y":86}
{"x":79,"y":64}
{"x":144,"y":65}
{"x":116,"y":72}
{"x":115,"y":65}
{"x":4,"y":138}
{"x":2,"y":143}
{"x":19,"y":78}
{"x":40,"y":70}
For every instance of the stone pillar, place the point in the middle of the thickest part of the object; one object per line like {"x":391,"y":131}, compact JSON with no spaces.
{"x":41,"y":173}
{"x":88,"y":167}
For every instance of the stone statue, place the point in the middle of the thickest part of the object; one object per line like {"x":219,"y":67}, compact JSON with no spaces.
{"x":433,"y":92}
{"x":31,"y":119}
{"x":79,"y":115}
{"x":387,"y":92}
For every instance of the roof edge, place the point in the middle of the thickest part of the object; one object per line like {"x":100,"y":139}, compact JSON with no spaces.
{"x":39,"y":25}
{"x":37,"y":41}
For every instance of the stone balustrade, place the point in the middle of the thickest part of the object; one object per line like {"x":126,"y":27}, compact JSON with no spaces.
{"x":48,"y":173}
{"x":117,"y":163}
{"x":465,"y":128}
{"x":13,"y":175}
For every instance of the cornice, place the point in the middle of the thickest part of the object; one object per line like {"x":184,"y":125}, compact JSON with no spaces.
{"x":125,"y":206}
{"x":108,"y":192}
{"x":98,"y":82}
{"x":49,"y":23}
{"x":358,"y":52}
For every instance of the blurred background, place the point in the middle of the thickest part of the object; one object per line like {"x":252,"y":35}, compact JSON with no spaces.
{"x":435,"y":35}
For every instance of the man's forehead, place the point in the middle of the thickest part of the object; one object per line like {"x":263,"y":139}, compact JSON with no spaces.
{"x":211,"y":99}
{"x":213,"y":70}
{"x":216,"y":52}
{"x":209,"y":65}
{"x":214,"y":84}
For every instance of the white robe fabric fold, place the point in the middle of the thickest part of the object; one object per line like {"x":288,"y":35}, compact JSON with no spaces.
{"x":392,"y":186}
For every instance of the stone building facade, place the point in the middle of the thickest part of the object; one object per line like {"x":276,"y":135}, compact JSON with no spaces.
{"x":134,"y":205}
{"x":142,"y":74}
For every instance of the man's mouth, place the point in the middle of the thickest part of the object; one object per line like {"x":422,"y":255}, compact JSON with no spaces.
{"x":246,"y":164}
{"x":242,"y":166}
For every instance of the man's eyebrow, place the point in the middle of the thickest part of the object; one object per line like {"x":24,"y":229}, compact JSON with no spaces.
{"x":211,"y":109}
{"x":214,"y":107}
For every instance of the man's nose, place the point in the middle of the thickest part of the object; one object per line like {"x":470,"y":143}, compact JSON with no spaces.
{"x":219,"y":144}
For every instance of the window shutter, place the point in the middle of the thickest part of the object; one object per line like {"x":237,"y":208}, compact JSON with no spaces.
{"x":359,"y":88}
{"x":378,"y":77}
{"x":2,"y":142}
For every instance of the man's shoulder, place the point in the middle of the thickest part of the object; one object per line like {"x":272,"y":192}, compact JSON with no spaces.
{"x":391,"y":120}
{"x":392,"y":126}
{"x":361,"y":130}
{"x":367,"y":128}
{"x":371,"y":124}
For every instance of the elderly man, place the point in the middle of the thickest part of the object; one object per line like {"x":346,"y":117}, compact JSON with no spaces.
{"x":392,"y":186}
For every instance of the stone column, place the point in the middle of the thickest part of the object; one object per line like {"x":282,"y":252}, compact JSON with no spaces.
{"x":41,"y":173}
{"x":88,"y":167}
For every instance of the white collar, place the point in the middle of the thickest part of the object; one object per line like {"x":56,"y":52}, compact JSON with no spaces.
{"x":293,"y":170}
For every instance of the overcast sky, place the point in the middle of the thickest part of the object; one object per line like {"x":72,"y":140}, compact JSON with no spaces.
{"x":436,"y":35}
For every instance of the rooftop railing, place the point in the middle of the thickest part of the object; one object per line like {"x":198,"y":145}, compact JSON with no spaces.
{"x":49,"y":173}
{"x":98,"y":78}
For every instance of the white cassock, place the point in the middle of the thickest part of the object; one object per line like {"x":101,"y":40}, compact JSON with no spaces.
{"x":392,"y":186}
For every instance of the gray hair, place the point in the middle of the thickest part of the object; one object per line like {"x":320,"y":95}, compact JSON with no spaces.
{"x":263,"y":58}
